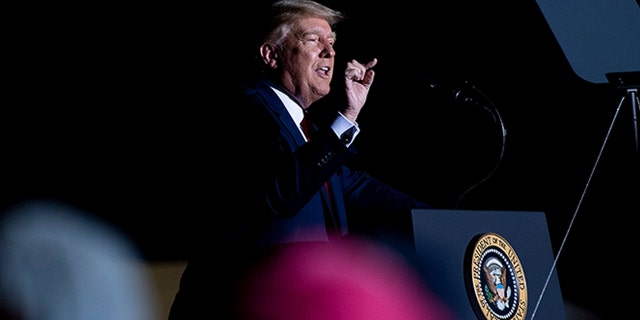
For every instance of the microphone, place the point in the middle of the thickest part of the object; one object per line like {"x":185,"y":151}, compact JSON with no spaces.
{"x":457,"y":94}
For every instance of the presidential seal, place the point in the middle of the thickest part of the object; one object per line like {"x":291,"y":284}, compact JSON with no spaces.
{"x":495,"y":279}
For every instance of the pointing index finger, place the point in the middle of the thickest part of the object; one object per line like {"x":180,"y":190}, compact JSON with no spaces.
{"x":371,"y":63}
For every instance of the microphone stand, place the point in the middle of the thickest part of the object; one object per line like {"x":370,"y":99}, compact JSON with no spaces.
{"x":629,"y":81}
{"x":635,"y":105}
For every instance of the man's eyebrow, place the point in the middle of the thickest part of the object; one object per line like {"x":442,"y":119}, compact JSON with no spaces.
{"x":317,"y":33}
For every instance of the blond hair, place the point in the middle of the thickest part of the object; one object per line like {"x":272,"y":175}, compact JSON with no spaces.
{"x":285,"y":12}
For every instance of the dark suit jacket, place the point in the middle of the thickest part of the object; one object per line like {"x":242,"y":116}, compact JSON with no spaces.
{"x":290,"y":174}
{"x":271,"y":193}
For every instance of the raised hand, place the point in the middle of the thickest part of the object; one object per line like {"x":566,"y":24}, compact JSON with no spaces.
{"x":358,"y":79}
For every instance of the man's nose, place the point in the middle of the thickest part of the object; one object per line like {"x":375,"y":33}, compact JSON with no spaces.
{"x":328,"y":51}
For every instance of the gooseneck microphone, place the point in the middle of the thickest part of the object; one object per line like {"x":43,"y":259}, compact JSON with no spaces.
{"x":463,"y":93}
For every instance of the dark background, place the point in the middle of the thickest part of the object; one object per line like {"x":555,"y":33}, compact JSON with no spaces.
{"x":108,"y":109}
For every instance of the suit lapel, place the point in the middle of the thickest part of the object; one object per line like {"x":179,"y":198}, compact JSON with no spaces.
{"x":277,"y":108}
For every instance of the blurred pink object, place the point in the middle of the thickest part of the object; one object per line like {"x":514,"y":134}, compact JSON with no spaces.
{"x":352,"y":279}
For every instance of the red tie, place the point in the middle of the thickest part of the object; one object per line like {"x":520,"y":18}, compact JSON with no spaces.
{"x":307,"y":127}
{"x":332,"y":224}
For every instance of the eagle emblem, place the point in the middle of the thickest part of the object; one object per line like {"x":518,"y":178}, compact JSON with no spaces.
{"x":497,"y":290}
{"x":495,"y":278}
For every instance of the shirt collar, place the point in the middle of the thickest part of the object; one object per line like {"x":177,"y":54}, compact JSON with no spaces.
{"x":295,"y":110}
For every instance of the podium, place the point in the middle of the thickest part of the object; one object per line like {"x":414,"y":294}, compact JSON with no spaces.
{"x":457,"y":251}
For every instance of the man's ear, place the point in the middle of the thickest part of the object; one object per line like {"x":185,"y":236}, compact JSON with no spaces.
{"x":269,"y":55}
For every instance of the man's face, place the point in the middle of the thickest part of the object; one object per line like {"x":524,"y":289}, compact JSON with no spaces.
{"x":307,"y":59}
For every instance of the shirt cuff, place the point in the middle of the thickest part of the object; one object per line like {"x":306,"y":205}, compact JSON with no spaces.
{"x":345,"y":129}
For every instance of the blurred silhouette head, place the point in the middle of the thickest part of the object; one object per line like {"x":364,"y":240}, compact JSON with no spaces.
{"x":355,"y":279}
{"x":58,"y":263}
